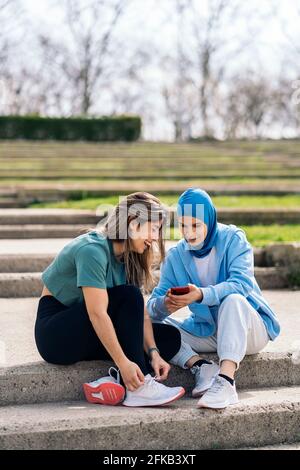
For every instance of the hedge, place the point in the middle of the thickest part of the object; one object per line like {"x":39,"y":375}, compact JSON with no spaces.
{"x":104,"y":129}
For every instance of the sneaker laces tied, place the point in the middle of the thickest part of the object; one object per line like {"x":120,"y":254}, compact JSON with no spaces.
{"x":157,"y":386}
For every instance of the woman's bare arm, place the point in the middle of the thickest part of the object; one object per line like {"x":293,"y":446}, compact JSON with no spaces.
{"x":96,"y":301}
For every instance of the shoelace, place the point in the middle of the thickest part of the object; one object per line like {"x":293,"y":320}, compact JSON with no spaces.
{"x":155,"y":386}
{"x":113,"y":369}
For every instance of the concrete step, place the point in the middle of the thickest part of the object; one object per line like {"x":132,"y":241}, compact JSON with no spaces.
{"x":9,"y":203}
{"x":14,"y":284}
{"x":24,"y":378}
{"x":285,"y":446}
{"x":42,"y":231}
{"x":272,"y":278}
{"x":25,"y":263}
{"x":37,"y":262}
{"x":263,"y":416}
{"x":35,"y":246}
{"x":40,"y":382}
{"x":48,"y":217}
{"x":245,"y":216}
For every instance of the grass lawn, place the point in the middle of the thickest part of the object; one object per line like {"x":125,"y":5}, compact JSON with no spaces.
{"x":262,"y":235}
{"x":216,"y":160}
{"x":289,"y":201}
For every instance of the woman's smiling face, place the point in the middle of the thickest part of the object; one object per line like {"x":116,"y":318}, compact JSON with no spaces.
{"x":193,"y":230}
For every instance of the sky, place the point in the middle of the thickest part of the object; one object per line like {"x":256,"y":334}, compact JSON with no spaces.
{"x":146,"y":19}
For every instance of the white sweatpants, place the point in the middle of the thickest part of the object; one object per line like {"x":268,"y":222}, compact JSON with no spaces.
{"x":240,"y":331}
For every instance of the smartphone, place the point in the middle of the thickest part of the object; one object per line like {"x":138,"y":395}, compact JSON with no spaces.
{"x":180,"y":290}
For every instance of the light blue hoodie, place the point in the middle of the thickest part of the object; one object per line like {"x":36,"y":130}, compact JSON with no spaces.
{"x":235,"y":268}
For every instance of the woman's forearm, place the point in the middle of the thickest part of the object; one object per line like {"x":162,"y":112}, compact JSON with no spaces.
{"x":105,"y":331}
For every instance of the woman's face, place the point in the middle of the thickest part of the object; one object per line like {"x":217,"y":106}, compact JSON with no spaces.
{"x":193,"y":230}
{"x":142,"y":235}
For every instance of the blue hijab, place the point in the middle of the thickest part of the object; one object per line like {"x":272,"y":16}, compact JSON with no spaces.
{"x":196,"y":203}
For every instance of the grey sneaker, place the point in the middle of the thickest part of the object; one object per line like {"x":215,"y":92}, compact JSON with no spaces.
{"x":204,"y":377}
{"x":153,"y":393}
{"x":220,"y":395}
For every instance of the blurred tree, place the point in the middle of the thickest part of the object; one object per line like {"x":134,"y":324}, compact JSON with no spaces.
{"x":11,"y":35}
{"x":5,"y":11}
{"x":205,"y":45}
{"x":254,"y":104}
{"x":84,"y":62}
{"x":179,"y":93}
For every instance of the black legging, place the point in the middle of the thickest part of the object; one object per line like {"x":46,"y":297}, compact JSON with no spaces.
{"x":65,"y":335}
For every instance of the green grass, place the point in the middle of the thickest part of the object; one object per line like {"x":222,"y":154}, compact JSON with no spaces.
{"x":165,"y":186}
{"x":289,"y":201}
{"x":149,"y":160}
{"x":262,"y":235}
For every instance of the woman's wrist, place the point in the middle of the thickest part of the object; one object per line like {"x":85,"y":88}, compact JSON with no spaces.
{"x":122,"y":362}
{"x":200,"y":295}
{"x":153,"y":351}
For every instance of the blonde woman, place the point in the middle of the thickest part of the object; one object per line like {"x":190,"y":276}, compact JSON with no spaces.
{"x":92,"y":307}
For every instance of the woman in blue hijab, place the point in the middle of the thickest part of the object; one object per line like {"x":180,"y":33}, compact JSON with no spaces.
{"x":228,"y":313}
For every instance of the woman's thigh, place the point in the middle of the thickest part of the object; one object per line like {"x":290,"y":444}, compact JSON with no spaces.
{"x":204,"y":344}
{"x":167,"y":339}
{"x":68,"y":336}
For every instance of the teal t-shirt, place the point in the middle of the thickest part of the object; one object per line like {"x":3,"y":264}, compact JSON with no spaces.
{"x":88,"y":261}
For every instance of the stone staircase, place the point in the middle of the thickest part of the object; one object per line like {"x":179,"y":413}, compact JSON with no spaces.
{"x":9,"y":199}
{"x":69,"y":223}
{"x":43,"y":407}
{"x":27,"y":228}
{"x":20,"y":274}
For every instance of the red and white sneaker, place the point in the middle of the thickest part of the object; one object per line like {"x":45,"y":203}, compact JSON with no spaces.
{"x":105,"y":391}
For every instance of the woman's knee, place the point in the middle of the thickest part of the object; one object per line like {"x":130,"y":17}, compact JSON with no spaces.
{"x":168,"y":339}
{"x":128,"y":299}
{"x":126,"y":291}
{"x":132,"y":295}
{"x":233,"y":300}
{"x":57,"y":360}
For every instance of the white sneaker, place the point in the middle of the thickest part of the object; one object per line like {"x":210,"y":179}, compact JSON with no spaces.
{"x":219,"y":395}
{"x":152,"y":393}
{"x":204,"y":377}
{"x":105,"y":391}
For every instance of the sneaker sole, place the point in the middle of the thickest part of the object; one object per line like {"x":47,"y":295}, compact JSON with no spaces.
{"x":112,"y":393}
{"x":201,"y":392}
{"x":219,"y":407}
{"x":158,"y":403}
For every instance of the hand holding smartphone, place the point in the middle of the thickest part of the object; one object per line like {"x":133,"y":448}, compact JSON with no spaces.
{"x":180,"y":290}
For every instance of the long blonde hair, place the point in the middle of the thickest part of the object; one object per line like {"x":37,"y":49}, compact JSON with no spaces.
{"x":145,"y":208}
